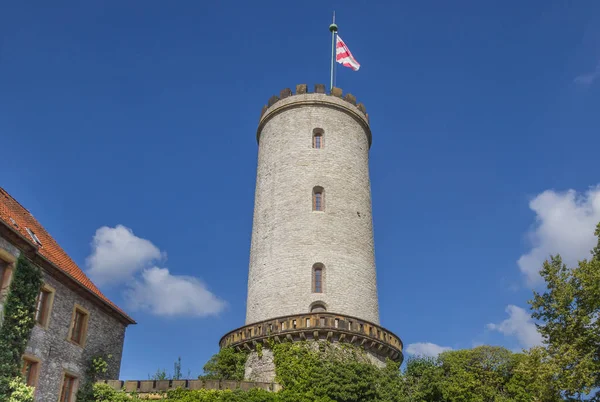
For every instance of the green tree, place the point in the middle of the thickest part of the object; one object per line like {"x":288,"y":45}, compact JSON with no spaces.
{"x":228,"y":364}
{"x":569,"y":312}
{"x":482,"y":374}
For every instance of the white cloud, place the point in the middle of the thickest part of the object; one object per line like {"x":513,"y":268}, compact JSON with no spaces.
{"x":588,"y":78}
{"x":520,"y":325}
{"x":565,"y":223}
{"x":117,"y":254}
{"x":426,"y":349}
{"x":163,"y":294}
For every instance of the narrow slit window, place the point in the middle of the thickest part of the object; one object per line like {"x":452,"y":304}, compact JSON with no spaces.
{"x":317,"y":138}
{"x":318,"y":199}
{"x":308,"y":323}
{"x":318,"y":278}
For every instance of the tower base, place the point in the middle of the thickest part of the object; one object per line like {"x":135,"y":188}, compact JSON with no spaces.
{"x":378,"y":343}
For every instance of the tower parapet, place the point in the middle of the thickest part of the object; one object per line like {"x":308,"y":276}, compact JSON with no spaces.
{"x":335,"y":99}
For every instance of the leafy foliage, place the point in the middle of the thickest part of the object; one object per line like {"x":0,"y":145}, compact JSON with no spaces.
{"x":20,"y":392}
{"x":104,"y":393}
{"x":569,"y":310}
{"x":96,"y":370}
{"x":485,"y":373}
{"x":19,"y":319}
{"x":228,"y":364}
{"x":203,"y":395}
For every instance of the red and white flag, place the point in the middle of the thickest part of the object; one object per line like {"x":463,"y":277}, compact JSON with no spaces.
{"x":343,"y":55}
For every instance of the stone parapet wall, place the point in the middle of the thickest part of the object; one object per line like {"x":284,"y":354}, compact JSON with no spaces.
{"x":158,"y":386}
{"x":318,"y":326}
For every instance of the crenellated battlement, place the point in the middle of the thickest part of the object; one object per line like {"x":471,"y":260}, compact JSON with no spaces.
{"x":302,"y":89}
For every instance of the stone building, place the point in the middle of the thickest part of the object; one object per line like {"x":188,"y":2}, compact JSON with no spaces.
{"x":74,"y":320}
{"x":312,"y":261}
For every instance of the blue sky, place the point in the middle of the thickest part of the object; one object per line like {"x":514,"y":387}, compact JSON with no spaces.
{"x":128,"y":130}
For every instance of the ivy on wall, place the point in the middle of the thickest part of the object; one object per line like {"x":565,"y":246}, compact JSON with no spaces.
{"x":19,"y":319}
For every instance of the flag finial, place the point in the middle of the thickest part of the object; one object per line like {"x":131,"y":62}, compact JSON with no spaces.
{"x":333,"y":28}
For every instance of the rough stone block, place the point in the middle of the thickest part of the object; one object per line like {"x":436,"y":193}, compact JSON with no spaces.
{"x":285,"y":93}
{"x":162,"y":385}
{"x":263,"y":385}
{"x":131,"y":386}
{"x":226,"y":384}
{"x":362,"y":108}
{"x":336,"y":92}
{"x":350,"y":98}
{"x":147,"y":386}
{"x":301,"y":89}
{"x":180,"y":383}
{"x":264,"y":109}
{"x":196,"y":384}
{"x":319,"y":88}
{"x":247,"y":385}
{"x":272,"y":100}
{"x":115,"y":384}
{"x":211,"y":384}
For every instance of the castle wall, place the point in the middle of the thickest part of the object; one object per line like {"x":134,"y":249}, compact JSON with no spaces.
{"x":288,"y":237}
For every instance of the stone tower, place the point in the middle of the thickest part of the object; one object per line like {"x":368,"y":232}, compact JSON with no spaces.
{"x":312,"y":263}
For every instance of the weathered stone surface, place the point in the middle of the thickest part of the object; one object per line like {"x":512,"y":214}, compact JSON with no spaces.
{"x":146,"y":386}
{"x":115,"y":384}
{"x":131,"y":386}
{"x":162,"y":385}
{"x":320,"y":88}
{"x":301,"y":89}
{"x":285,"y":240}
{"x":179,"y":383}
{"x":272,"y":100}
{"x":260,"y":369}
{"x":350,"y":98}
{"x":226,"y":384}
{"x":285,"y":93}
{"x":336,"y":92}
{"x":196,"y":384}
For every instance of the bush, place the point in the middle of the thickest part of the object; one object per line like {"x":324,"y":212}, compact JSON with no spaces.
{"x":104,"y":393}
{"x":19,"y":391}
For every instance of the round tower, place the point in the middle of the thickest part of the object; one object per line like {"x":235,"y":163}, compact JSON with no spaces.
{"x":312,"y":238}
{"x":312,"y":262}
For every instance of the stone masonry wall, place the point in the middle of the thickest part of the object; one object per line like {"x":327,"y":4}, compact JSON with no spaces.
{"x":288,"y":237}
{"x":105,"y":335}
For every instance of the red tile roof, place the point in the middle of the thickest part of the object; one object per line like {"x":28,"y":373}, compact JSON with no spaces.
{"x":20,"y":219}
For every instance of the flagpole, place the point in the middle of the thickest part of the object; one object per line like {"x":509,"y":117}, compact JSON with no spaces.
{"x":333,"y":29}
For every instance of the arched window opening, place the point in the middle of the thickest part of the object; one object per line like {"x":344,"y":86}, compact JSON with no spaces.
{"x":318,"y":199}
{"x":317,"y":278}
{"x":317,"y":138}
